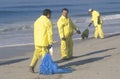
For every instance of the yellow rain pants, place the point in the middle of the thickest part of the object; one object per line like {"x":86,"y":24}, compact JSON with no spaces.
{"x":98,"y":32}
{"x":39,"y":52}
{"x":67,"y":48}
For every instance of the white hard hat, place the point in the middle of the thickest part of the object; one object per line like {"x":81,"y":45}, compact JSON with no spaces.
{"x":90,"y":10}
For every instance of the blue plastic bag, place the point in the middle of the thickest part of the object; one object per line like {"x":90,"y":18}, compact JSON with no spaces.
{"x":48,"y":67}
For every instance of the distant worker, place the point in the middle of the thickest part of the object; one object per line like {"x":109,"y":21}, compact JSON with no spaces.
{"x":98,"y":22}
{"x":42,"y":37}
{"x":66,"y":28}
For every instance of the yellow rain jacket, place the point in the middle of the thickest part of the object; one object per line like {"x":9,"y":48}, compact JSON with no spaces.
{"x":95,"y":15}
{"x":43,"y":31}
{"x":65,"y":27}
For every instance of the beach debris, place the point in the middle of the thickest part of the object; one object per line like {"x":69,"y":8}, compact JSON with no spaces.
{"x":85,"y":34}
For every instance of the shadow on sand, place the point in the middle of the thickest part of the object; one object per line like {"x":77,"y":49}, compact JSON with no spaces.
{"x":91,"y":53}
{"x":95,"y":52}
{"x":86,"y":61}
{"x":117,"y":34}
{"x":13,"y":61}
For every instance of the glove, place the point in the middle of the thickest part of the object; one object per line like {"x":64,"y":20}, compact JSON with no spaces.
{"x":78,"y":31}
{"x":89,"y":24}
{"x":49,"y":46}
{"x":63,"y":39}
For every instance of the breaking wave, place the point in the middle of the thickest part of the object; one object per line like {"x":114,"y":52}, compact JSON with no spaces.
{"x":28,"y":26}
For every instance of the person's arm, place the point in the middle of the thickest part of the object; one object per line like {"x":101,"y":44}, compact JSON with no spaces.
{"x":90,"y":23}
{"x":61,"y":29}
{"x":50,"y":33}
{"x":75,"y":27}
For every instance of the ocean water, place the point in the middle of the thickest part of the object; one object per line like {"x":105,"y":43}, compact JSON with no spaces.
{"x":17,"y":17}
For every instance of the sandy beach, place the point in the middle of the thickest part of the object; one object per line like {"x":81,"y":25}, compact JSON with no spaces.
{"x":93,"y":59}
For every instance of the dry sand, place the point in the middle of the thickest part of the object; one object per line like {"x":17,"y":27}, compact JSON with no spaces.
{"x":94,"y":59}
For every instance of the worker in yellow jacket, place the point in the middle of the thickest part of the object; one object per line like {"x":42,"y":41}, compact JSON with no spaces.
{"x":98,"y":22}
{"x":66,"y":28}
{"x":42,"y":37}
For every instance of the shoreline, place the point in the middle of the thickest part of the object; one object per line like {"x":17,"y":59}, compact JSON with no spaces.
{"x":29,"y":44}
{"x":93,"y":59}
{"x":30,"y":47}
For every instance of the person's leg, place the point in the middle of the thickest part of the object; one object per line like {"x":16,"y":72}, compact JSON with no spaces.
{"x":63,"y":49}
{"x":44,"y":51}
{"x":100,"y":31}
{"x":36,"y":56}
{"x":70,"y":47}
{"x":96,"y":32}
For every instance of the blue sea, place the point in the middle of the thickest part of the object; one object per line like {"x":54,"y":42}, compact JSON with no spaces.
{"x":17,"y":17}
